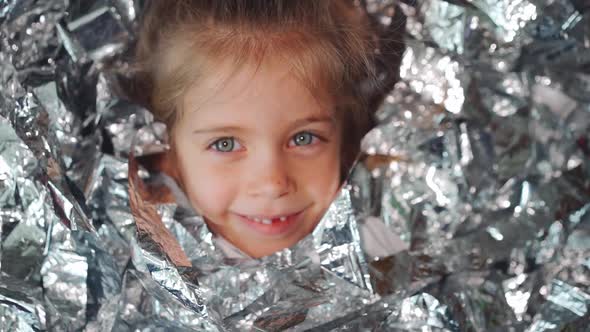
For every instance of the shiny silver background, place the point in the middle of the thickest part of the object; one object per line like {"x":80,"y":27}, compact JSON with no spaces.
{"x":480,"y":162}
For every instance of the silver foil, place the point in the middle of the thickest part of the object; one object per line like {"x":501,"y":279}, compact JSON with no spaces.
{"x":479,"y":162}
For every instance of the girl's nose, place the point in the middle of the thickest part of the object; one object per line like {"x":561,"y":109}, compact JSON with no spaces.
{"x":271,"y":179}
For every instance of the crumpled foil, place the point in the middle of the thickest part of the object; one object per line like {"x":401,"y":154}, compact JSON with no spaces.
{"x":479,"y":162}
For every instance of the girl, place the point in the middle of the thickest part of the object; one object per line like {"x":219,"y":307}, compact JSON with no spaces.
{"x":262,"y":103}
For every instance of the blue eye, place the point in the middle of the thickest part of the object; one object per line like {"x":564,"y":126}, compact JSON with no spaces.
{"x":303,"y":138}
{"x":225,"y":144}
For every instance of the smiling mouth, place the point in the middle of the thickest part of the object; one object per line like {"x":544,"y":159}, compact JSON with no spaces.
{"x":272,"y":225}
{"x":269,"y":220}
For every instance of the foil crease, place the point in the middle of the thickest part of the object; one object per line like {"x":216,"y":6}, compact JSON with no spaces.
{"x":479,"y":162}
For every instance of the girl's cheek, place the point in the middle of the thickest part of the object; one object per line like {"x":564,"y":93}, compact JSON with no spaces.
{"x":321,"y":173}
{"x":214,"y":189}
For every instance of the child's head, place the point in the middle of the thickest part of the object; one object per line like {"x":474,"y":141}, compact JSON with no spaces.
{"x":261,"y":98}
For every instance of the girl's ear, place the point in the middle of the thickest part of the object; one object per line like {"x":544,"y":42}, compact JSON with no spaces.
{"x":169,"y":165}
{"x":162,"y":162}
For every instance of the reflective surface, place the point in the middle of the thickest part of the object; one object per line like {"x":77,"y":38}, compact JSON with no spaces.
{"x":479,"y":161}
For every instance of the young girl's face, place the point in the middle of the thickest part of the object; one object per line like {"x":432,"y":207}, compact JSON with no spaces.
{"x":258,"y":155}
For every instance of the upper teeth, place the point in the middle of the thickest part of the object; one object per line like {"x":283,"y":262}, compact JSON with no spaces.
{"x":267,"y":221}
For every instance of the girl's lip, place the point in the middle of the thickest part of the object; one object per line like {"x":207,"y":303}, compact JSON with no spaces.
{"x":272,"y":226}
{"x":276,"y":216}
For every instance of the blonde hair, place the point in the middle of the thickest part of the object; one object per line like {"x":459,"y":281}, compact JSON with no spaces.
{"x":327,"y":43}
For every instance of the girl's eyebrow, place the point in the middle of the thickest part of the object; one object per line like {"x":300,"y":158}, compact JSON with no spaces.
{"x":313,"y":119}
{"x":295,"y":124}
{"x":217,"y":129}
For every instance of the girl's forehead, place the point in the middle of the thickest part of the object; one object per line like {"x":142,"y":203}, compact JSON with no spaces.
{"x":268,"y":83}
{"x":270,"y":106}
